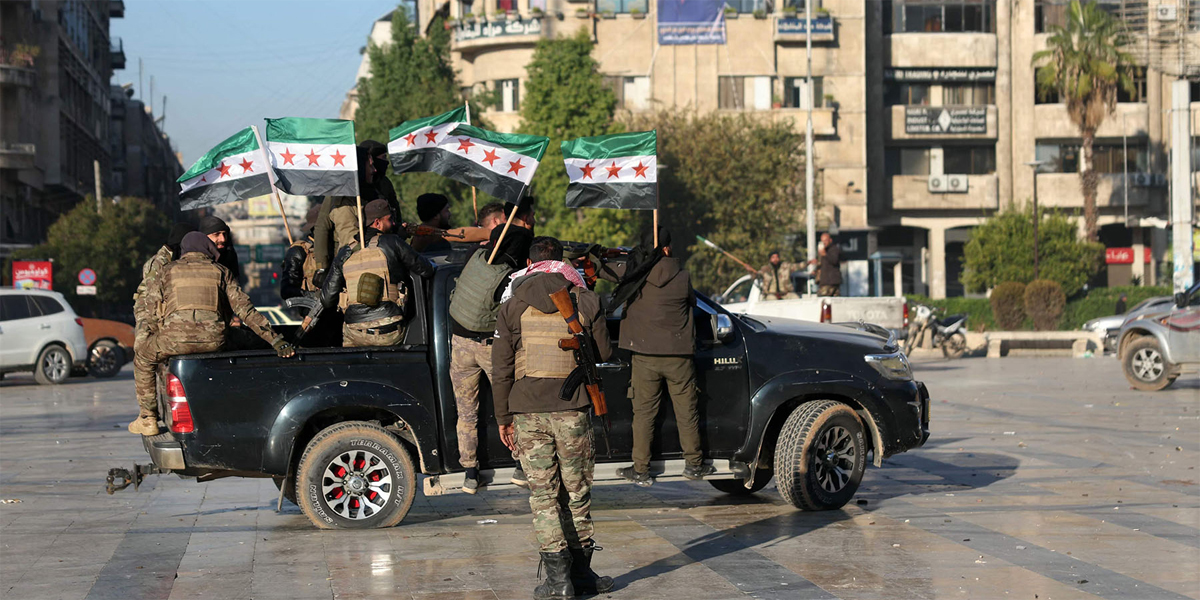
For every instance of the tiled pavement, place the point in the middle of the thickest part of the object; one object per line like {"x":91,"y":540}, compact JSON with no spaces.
{"x":1045,"y":478}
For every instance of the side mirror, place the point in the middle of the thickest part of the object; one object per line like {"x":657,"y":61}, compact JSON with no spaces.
{"x":723,"y":328}
{"x":1181,"y":300}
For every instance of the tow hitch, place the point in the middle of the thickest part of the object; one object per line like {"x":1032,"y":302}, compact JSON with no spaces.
{"x":120,"y":478}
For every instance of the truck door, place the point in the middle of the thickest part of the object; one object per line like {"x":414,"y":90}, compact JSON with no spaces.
{"x":1183,"y":329}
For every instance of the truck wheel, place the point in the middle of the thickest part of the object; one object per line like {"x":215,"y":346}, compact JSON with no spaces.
{"x":53,"y":366}
{"x":737,"y":487}
{"x":1145,"y":366}
{"x":355,"y":475}
{"x":820,"y":456}
{"x":105,"y":359}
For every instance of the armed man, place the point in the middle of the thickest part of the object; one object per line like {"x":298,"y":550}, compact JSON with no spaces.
{"x":370,"y":283}
{"x":337,"y":221}
{"x":300,"y":261}
{"x":193,"y":300}
{"x":554,"y":435}
{"x":144,"y":319}
{"x":222,"y":237}
{"x":777,"y":278}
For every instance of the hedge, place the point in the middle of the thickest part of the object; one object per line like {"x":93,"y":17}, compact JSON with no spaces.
{"x":1098,"y":302}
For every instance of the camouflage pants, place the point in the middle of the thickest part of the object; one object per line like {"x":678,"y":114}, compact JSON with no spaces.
{"x":355,"y":335}
{"x":558,"y":455}
{"x":829,"y":290}
{"x":470,"y":360}
{"x":151,"y":350}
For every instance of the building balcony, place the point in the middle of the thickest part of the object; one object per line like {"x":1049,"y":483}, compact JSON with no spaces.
{"x":117,"y":52}
{"x":470,"y":35}
{"x":911,"y":192}
{"x":794,"y":29}
{"x":1053,"y":122}
{"x":17,"y":156}
{"x":942,"y":122}
{"x":1061,"y":190}
{"x":17,"y":76}
{"x":116,"y":9}
{"x":966,"y":50}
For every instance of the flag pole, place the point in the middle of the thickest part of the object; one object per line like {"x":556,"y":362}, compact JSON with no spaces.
{"x":474,"y":203}
{"x":271,"y":178}
{"x":362,"y":233}
{"x":655,"y":189}
{"x":507,"y":224}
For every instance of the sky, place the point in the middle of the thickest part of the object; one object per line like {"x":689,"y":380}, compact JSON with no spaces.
{"x":225,"y":65}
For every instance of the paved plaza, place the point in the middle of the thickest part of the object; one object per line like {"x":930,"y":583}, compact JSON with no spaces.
{"x":1044,"y":479}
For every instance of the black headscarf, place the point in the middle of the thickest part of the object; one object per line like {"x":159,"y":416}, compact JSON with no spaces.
{"x":515,"y":249}
{"x":198,"y":242}
{"x":641,"y":261}
{"x":212,"y":224}
{"x":175,"y":238}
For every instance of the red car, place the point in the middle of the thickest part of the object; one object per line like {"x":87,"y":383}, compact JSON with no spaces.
{"x":110,"y":346}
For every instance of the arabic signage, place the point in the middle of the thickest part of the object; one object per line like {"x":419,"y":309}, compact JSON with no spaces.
{"x":691,"y":22}
{"x":945,"y":119}
{"x":793,"y":28}
{"x":937,"y":74}
{"x":33,"y":274}
{"x":1123,"y":256}
{"x":269,"y":253}
{"x":466,"y":32}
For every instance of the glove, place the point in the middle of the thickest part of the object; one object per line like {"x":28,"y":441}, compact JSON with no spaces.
{"x":284,"y":348}
{"x":318,"y":278}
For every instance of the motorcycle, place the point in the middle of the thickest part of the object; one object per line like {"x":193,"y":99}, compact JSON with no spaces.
{"x":949,"y":333}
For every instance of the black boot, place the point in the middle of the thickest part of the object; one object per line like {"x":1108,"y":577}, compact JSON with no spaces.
{"x":558,"y":580}
{"x":585,"y":580}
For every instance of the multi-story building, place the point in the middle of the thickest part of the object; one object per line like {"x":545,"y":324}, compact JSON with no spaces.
{"x":925,"y":111}
{"x":143,"y":163}
{"x":56,"y":61}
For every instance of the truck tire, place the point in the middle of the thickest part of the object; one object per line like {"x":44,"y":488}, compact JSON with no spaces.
{"x":53,"y":365}
{"x":1145,"y":366}
{"x":355,"y":475}
{"x":737,"y":487}
{"x":820,"y":456}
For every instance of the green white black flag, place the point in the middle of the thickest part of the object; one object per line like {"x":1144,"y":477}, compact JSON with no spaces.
{"x":613,"y":171}
{"x":314,"y":157}
{"x":233,"y":170}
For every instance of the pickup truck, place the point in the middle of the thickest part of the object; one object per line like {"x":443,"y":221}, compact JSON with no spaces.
{"x":345,"y":432}
{"x":745,"y":296}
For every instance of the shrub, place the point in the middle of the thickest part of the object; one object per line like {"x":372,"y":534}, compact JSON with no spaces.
{"x":1102,"y":302}
{"x":1008,"y":305}
{"x":1044,"y":301}
{"x":1001,"y":249}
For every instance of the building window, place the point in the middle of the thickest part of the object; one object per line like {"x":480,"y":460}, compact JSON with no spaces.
{"x":1139,"y":87}
{"x":503,"y":6}
{"x":795,"y":92}
{"x":1113,"y":158}
{"x":1044,"y":96}
{"x":937,"y":16}
{"x":1195,"y":154}
{"x":908,"y":94}
{"x":622,"y":6}
{"x":1058,"y":158}
{"x":1194,"y":89}
{"x":510,"y":95}
{"x":749,"y":6}
{"x":736,"y":92}
{"x":968,"y":94}
{"x":1053,"y":13}
{"x":633,"y":93}
{"x":907,"y":161}
{"x":969,"y":160}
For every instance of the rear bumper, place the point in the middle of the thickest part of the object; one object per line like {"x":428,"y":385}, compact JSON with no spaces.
{"x":165,"y":451}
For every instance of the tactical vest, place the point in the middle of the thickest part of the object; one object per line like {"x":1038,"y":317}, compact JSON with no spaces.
{"x":363,"y":261}
{"x":345,"y":225}
{"x":193,"y":283}
{"x":539,"y":355}
{"x":310,"y":264}
{"x":472,"y":303}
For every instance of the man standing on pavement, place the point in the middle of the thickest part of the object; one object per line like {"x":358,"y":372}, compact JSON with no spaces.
{"x":829,"y":267}
{"x":658,"y":330}
{"x":777,"y":278}
{"x":370,"y":283}
{"x":191,"y":300}
{"x":554,"y":436}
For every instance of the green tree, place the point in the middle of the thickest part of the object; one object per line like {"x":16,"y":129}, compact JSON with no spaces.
{"x":1083,"y":65}
{"x":566,"y":98}
{"x":1001,"y":249}
{"x":114,"y":244}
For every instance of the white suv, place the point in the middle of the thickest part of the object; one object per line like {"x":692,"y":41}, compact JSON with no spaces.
{"x":39,"y":332}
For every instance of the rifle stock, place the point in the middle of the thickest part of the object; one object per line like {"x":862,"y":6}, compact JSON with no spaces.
{"x":566,"y":307}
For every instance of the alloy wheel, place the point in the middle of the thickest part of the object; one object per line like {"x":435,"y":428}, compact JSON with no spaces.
{"x":1148,"y":364}
{"x":357,"y":484}
{"x":833,"y":459}
{"x":55,"y":365}
{"x":103,"y":358}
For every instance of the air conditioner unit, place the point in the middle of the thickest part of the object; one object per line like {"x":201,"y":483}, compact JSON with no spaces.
{"x":1160,"y":180}
{"x":1166,"y":12}
{"x":1141,"y":179}
{"x":956,"y":184}
{"x":937,"y":184}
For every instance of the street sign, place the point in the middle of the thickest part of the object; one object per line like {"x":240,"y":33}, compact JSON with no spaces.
{"x":243,"y":252}
{"x":85,"y":290}
{"x":269,"y":253}
{"x":87,"y":277}
{"x":942,"y":119}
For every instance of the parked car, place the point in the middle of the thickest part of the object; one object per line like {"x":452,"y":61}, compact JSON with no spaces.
{"x":1110,"y":327}
{"x":1160,"y":342}
{"x":110,"y":346}
{"x":39,"y":332}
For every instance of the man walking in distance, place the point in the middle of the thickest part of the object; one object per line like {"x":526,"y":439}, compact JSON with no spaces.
{"x":777,"y":278}
{"x":658,"y":331}
{"x":829,"y":267}
{"x":473,"y":307}
{"x":300,"y":262}
{"x":370,"y":283}
{"x":554,"y":435}
{"x":192,"y":299}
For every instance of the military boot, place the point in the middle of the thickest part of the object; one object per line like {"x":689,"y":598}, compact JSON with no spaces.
{"x":145,"y":424}
{"x":585,"y":580}
{"x":558,"y":579}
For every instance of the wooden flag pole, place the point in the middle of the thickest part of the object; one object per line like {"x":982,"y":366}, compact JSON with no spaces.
{"x":271,"y":178}
{"x":507,"y":224}
{"x":474,"y":203}
{"x":362,"y":233}
{"x":656,"y":191}
{"x":656,"y":227}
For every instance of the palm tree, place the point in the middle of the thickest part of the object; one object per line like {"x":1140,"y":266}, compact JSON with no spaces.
{"x":1083,"y":64}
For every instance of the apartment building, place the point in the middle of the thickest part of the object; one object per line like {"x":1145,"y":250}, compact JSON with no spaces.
{"x":143,"y":163}
{"x":925,"y":111}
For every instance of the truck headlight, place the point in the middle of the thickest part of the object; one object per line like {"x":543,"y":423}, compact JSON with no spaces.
{"x":892,"y":366}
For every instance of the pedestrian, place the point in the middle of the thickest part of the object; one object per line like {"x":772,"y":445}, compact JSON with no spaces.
{"x":370,"y":284}
{"x":1121,"y":305}
{"x":658,"y":330}
{"x":554,"y":436}
{"x":777,"y":278}
{"x":829,"y":267}
{"x":192,"y":300}
{"x":337,"y":220}
{"x":300,"y":262}
{"x":219,"y":233}
{"x":473,"y":307}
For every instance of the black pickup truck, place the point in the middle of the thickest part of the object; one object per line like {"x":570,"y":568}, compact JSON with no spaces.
{"x":346,"y":431}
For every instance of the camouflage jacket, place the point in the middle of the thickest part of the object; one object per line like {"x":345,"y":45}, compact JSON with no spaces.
{"x":143,"y":315}
{"x":778,"y":283}
{"x":199,"y":325}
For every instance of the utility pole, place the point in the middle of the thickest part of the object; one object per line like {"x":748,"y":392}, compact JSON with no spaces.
{"x":1181,"y":187}
{"x":1036,"y":217}
{"x":140,"y":96}
{"x":99,"y":190}
{"x":810,"y":218}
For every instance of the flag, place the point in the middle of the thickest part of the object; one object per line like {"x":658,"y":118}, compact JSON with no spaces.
{"x":501,"y":164}
{"x":233,"y":170}
{"x":613,"y":171}
{"x":314,"y":157}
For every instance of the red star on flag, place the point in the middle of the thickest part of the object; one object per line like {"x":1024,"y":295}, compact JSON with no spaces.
{"x":490,"y":157}
{"x":515,"y":167}
{"x":640,"y":170}
{"x":464,"y":145}
{"x":411,"y":138}
{"x":203,"y":179}
{"x":587,"y":170}
{"x":288,"y":156}
{"x":246,"y":165}
{"x":338,"y":157}
{"x":312,"y":157}
{"x":612,"y":169}
{"x":224,"y":170}
{"x":431,"y":137}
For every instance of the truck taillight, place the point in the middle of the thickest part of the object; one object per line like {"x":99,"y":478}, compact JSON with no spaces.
{"x":905,"y":315}
{"x":181,"y":415}
{"x":826,"y":312}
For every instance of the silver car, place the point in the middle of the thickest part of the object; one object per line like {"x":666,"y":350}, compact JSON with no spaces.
{"x":1156,"y":345}
{"x":1110,"y":327}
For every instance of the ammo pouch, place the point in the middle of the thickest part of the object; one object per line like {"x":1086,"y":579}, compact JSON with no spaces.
{"x":370,"y":290}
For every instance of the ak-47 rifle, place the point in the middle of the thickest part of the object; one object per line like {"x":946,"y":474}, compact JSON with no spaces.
{"x":584,"y":348}
{"x":586,"y":260}
{"x":415,"y":230}
{"x":314,"y":308}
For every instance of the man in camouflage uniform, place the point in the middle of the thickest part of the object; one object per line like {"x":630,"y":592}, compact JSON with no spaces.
{"x":777,"y":278}
{"x":554,"y":436}
{"x":192,"y":300}
{"x":145,"y":321}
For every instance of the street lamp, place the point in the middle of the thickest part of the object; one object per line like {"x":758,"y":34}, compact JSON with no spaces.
{"x":1035,"y":164}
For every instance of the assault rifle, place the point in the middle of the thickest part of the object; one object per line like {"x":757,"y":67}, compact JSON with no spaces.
{"x":314,"y":308}
{"x":415,"y":230}
{"x":584,"y":348}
